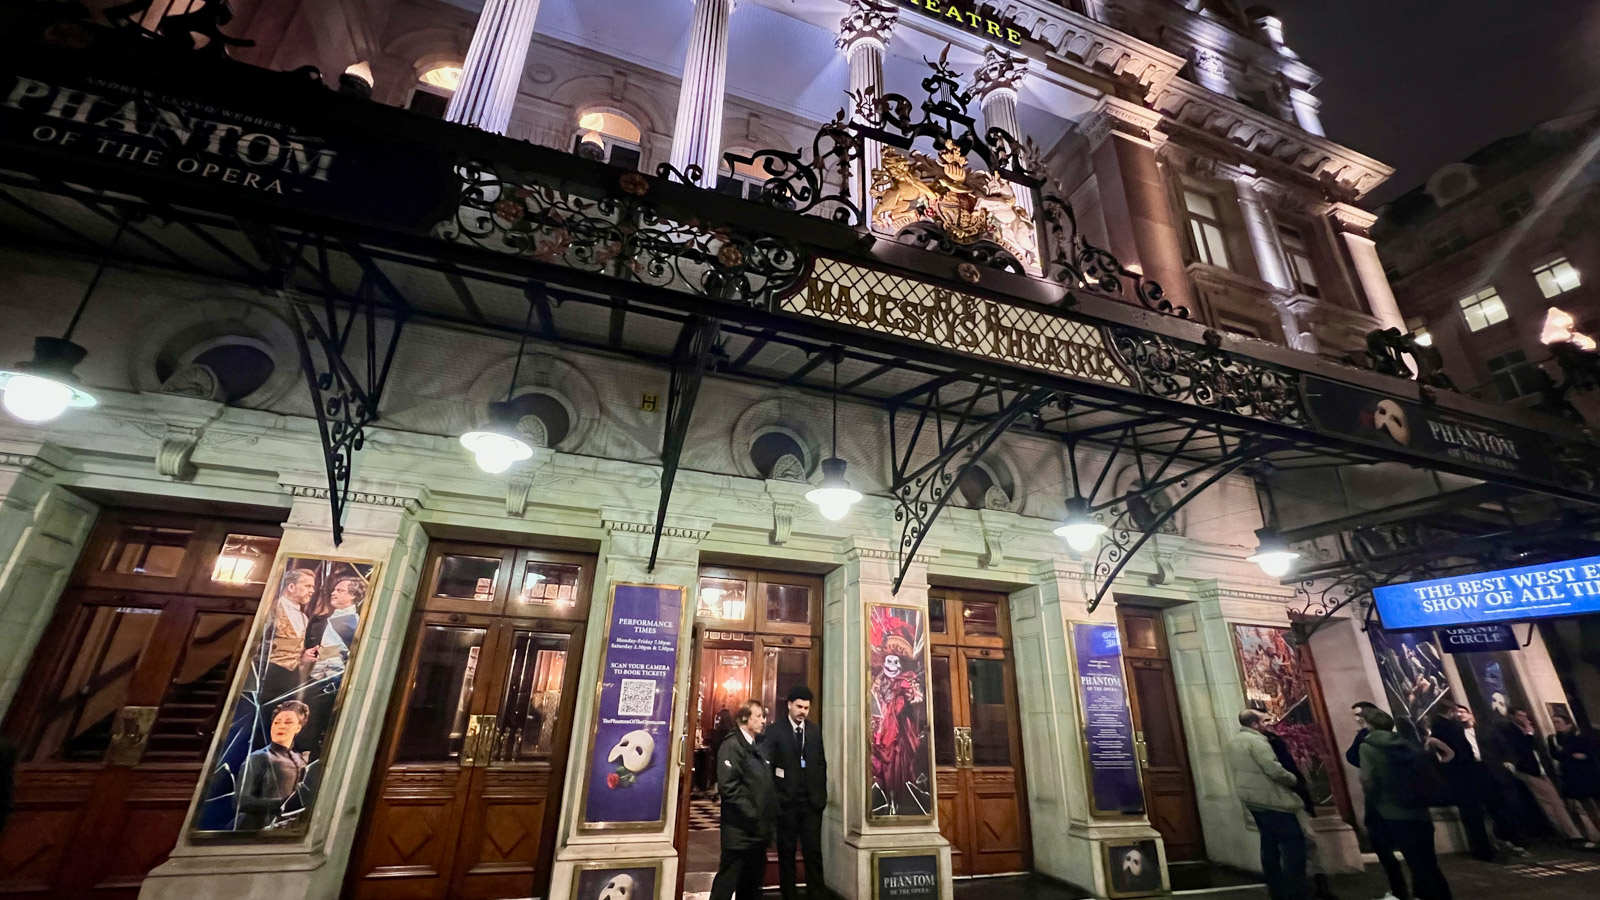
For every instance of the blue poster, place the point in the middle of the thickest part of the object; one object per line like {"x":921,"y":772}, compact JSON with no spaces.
{"x":1108,"y":725}
{"x":627,"y":772}
{"x":1568,"y":588}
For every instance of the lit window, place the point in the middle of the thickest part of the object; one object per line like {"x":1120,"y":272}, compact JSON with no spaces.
{"x":1205,"y":227}
{"x":1448,"y":242}
{"x":435,"y":85}
{"x":1513,"y":375}
{"x":1423,"y":337}
{"x":1556,"y":277}
{"x":746,"y":180}
{"x":446,"y":77}
{"x":1300,"y":268}
{"x":1483,"y":309}
{"x":614,"y":136}
{"x":1514,"y":208}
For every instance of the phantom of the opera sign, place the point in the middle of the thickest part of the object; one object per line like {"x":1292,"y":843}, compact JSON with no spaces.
{"x":1567,"y":588}
{"x":122,"y":135}
{"x":877,"y":301}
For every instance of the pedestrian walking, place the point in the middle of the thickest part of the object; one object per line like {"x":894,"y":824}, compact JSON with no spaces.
{"x":749,"y":807}
{"x":1377,"y":835}
{"x":1577,"y":757}
{"x":1320,"y":887}
{"x":1521,"y":742}
{"x":1394,"y":775}
{"x":800,"y":771}
{"x":1266,"y":789}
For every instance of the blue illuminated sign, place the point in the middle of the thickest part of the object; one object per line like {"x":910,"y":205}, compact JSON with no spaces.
{"x":1569,"y":588}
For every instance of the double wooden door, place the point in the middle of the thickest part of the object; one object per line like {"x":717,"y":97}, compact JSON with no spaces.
{"x":1158,"y":733}
{"x":982,"y":801}
{"x":466,"y":801}
{"x":124,"y":694}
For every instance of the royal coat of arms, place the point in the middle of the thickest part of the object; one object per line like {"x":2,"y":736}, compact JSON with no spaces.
{"x":968,"y":206}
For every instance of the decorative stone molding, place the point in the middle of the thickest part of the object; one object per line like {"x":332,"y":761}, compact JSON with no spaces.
{"x":868,"y":21}
{"x":1001,"y":73}
{"x":33,"y":465}
{"x":172,"y":457}
{"x":410,"y":504}
{"x":1351,"y":219}
{"x":517,"y":488}
{"x":1096,"y":46}
{"x":1192,"y":109}
{"x":887,"y":554}
{"x":1216,"y":591}
{"x":782,"y":522}
{"x":1210,"y":61}
{"x":1120,"y":116}
{"x":624,"y":521}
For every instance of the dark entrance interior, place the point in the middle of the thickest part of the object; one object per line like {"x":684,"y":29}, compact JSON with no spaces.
{"x":757,"y":634}
{"x":468,"y":788}
{"x":149,"y":631}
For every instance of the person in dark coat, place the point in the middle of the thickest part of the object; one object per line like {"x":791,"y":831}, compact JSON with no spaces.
{"x":749,"y":807}
{"x":1320,"y":887}
{"x":272,"y":774}
{"x":1406,"y":822}
{"x":1472,"y":791}
{"x":800,"y":771}
{"x":1523,"y":760}
{"x":1377,"y":834}
{"x":1577,"y":756}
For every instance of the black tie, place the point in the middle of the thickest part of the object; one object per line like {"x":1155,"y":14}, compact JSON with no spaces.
{"x":800,"y":737}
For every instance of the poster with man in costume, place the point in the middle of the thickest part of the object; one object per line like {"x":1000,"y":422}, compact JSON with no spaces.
{"x":901,"y":771}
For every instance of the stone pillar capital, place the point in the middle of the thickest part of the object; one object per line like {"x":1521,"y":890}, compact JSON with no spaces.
{"x":868,"y":23}
{"x":1113,"y":116}
{"x":1001,"y":75}
{"x":1351,"y":219}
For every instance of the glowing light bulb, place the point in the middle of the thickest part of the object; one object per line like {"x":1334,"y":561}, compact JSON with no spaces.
{"x":834,"y":496}
{"x":34,"y":399}
{"x":495,"y":452}
{"x":1275,"y":563}
{"x":1081,"y":536}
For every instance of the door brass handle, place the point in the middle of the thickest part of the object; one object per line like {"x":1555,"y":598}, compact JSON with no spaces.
{"x":477,"y":748}
{"x":130,"y":733}
{"x":963,"y":737}
{"x":1141,"y":749}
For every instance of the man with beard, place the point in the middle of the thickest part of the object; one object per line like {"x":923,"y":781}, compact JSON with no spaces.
{"x":898,"y":727}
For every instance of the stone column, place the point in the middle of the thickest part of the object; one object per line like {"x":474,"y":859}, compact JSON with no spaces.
{"x":863,"y":37}
{"x":42,"y":530}
{"x":1258,"y":222}
{"x":1353,"y":226}
{"x":492,"y":72}
{"x":1122,"y":149}
{"x":997,"y":82}
{"x":624,"y":556}
{"x":380,"y":524}
{"x":1067,"y":840}
{"x":849,"y":836}
{"x":1306,"y":109}
{"x":697,"y":136}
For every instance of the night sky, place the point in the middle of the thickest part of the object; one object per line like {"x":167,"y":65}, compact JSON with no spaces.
{"x":1420,"y":83}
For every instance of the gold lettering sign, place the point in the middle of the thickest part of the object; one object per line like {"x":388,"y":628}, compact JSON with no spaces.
{"x":866,"y":298}
{"x":977,"y":23}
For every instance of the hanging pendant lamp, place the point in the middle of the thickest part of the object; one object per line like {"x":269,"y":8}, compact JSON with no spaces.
{"x":499,"y":445}
{"x":834,"y":496}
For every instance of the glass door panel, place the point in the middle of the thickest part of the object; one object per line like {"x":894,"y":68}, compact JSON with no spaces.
{"x":193,"y":700}
{"x":434,"y":727}
{"x":530,"y":704}
{"x":986,"y":703}
{"x":77,"y":716}
{"x":944,"y":713}
{"x":784,"y":668}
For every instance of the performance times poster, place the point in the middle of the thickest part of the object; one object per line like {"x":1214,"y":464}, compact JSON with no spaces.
{"x":627,"y":775}
{"x":1107,"y":720}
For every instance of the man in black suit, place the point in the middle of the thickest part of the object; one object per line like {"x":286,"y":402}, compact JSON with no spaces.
{"x":749,"y":806}
{"x":800,"y":771}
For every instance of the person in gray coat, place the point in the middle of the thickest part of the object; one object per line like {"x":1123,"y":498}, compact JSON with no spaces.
{"x":1266,"y":789}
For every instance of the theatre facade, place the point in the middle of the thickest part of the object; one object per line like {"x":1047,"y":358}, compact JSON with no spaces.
{"x":433,"y":417}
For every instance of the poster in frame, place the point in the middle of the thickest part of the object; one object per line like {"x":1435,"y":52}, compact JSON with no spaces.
{"x":622,"y":879}
{"x":1411,"y":667}
{"x":1274,"y":683}
{"x":899,"y":710}
{"x":262,"y":778}
{"x":1133,"y":868}
{"x":1105,"y":719}
{"x":625,"y":783}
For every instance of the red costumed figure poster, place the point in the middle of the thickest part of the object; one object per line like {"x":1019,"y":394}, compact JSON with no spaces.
{"x":901,"y":772}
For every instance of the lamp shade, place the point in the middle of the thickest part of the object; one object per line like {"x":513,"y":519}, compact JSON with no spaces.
{"x":498,"y":446}
{"x":833,"y":496}
{"x":1273,"y":554}
{"x":44,"y":387}
{"x":1081,"y":532}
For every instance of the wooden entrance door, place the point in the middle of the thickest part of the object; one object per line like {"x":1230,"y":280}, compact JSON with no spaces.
{"x":123,"y":696}
{"x":1158,"y":733}
{"x":982,"y":801}
{"x":467,"y":801}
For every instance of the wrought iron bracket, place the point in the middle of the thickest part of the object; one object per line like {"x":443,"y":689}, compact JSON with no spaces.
{"x":689,"y":360}
{"x":959,"y":438}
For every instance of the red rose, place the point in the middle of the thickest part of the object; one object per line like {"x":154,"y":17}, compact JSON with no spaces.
{"x":612,"y":780}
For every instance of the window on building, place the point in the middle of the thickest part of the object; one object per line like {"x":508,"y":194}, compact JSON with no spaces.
{"x":1205,"y":228}
{"x":614,"y":136}
{"x":1236,"y":327}
{"x":1447,"y":242}
{"x":1513,"y":375}
{"x":744,"y":180}
{"x":434,"y":87}
{"x":1301,"y":271}
{"x":1556,"y":277}
{"x":1514,"y":208}
{"x":1422,"y":336}
{"x":1483,"y":309}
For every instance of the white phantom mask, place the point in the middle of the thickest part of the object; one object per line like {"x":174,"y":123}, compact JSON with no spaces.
{"x":1133,"y":863}
{"x":634,"y":751}
{"x":891,"y":665}
{"x":618,"y":888}
{"x":1391,"y":418}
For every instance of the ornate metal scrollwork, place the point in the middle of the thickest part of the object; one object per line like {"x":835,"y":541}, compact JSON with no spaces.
{"x":799,"y":186}
{"x":621,"y":234}
{"x":1209,"y":377}
{"x":1080,"y":264}
{"x":1386,"y":352}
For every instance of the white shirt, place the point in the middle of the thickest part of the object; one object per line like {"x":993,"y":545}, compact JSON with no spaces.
{"x":1472,"y":738}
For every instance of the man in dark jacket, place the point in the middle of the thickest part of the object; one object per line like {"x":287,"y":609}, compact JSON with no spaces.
{"x":1377,"y":835}
{"x":749,"y":806}
{"x":800,"y":771}
{"x":1320,"y":887}
{"x":1390,"y":770}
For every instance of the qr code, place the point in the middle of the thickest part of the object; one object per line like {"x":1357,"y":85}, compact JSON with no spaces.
{"x":638,"y":697}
